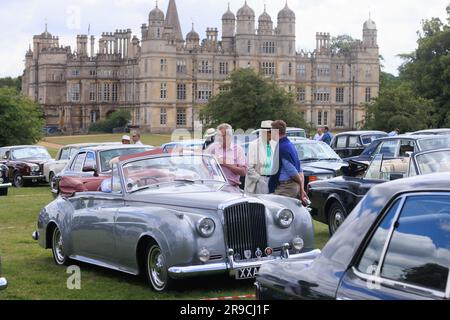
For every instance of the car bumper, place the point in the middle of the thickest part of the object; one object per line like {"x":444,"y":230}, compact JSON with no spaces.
{"x":3,"y":284}
{"x":233,"y":267}
{"x":35,"y":178}
{"x":5,"y":185}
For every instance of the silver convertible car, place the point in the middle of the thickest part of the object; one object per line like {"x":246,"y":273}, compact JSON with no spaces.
{"x":171,"y":217}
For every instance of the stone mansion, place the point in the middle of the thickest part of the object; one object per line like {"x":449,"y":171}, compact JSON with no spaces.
{"x":163,"y":78}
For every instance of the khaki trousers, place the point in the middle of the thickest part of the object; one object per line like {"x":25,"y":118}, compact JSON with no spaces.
{"x":291,"y":190}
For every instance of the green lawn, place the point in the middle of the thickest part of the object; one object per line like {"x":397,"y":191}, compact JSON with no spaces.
{"x":33,"y":275}
{"x":150,"y":139}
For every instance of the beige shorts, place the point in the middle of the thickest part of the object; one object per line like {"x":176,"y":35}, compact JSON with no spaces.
{"x":291,"y":190}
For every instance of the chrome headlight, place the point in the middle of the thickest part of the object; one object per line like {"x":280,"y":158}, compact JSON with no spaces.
{"x":284,"y":218}
{"x":298,"y":243}
{"x":35,"y":168}
{"x":206,"y":227}
{"x":204,"y":255}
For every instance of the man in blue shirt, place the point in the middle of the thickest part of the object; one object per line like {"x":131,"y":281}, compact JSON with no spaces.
{"x":327,"y":137}
{"x":289,"y":181}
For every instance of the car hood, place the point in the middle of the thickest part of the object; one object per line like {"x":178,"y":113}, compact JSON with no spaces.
{"x":39,"y":162}
{"x":207,"y":196}
{"x":324,"y":166}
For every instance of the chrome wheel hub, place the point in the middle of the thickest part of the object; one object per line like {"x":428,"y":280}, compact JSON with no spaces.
{"x":157,"y":269}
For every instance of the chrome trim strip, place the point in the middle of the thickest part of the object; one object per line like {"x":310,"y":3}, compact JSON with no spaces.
{"x":384,"y":281}
{"x":447,"y":291}
{"x":5,"y":185}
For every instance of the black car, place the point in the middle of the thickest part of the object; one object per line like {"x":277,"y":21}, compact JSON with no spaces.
{"x":402,"y":146}
{"x":4,"y":180}
{"x":319,"y":162}
{"x":394,"y":246}
{"x":353,"y":143}
{"x":334,"y":199}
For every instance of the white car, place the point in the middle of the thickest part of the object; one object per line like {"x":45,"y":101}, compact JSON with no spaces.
{"x":52,"y":168}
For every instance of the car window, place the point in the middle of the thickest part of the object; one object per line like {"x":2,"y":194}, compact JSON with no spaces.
{"x":419,"y":251}
{"x":90,"y":161}
{"x":434,"y":143}
{"x":65,"y":154}
{"x":341,"y":142}
{"x":353,"y":142}
{"x":388,"y":148}
{"x":77,"y":165}
{"x":116,"y":186}
{"x":368,"y":139}
{"x":371,"y":257}
{"x":2,"y":154}
{"x":370,"y":150}
{"x":107,"y":156}
{"x":433,"y":162}
{"x":406,"y":147}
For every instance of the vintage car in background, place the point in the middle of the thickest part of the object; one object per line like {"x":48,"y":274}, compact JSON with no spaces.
{"x":292,"y":133}
{"x":394,"y":246}
{"x":4,"y":180}
{"x":54,"y":167}
{"x":353,"y":143}
{"x":25,"y":163}
{"x":334,"y":199}
{"x":401,"y":146}
{"x":319,"y":162}
{"x":89,"y":167}
{"x":3,"y":282}
{"x":432,"y":132}
{"x":180,"y":146}
{"x":171,"y":217}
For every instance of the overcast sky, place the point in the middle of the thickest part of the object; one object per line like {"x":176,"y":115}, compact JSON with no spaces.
{"x":397,"y":21}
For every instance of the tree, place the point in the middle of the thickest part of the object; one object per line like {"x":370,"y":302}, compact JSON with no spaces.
{"x":118,"y":119}
{"x":21,"y":119}
{"x":342,"y":44}
{"x":247,"y":100}
{"x":9,"y":82}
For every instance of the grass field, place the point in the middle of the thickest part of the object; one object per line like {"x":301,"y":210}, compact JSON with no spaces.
{"x":32,"y":273}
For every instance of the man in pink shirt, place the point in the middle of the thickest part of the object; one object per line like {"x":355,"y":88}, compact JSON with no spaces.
{"x":230,"y":156}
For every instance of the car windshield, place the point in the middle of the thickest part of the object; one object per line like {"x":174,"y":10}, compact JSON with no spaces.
{"x":142,"y":174}
{"x":368,"y":139}
{"x":107,"y":156}
{"x":30,"y":153}
{"x":434,"y":162}
{"x":434,"y":143}
{"x":315,"y":152}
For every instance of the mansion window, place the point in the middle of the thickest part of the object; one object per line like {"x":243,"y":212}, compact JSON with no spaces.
{"x":290,"y":69}
{"x":322,"y":118}
{"x":181,"y":67}
{"x":340,"y":71}
{"x":181,"y":117}
{"x":181,"y":91}
{"x":301,"y":94}
{"x":249,"y":46}
{"x":163,"y":116}
{"x":339,"y":118}
{"x":92,"y":92}
{"x":163,"y":65}
{"x":74,"y":94}
{"x":368,"y":94}
{"x":268,"y":68}
{"x":163,"y":91}
{"x":94,"y":116}
{"x":322,"y":95}
{"x":106,"y":90}
{"x":301,"y":70}
{"x":204,"y":92}
{"x":339,"y":95}
{"x":115,"y":92}
{"x":223,"y":68}
{"x":268,"y":47}
{"x":75,"y":73}
{"x":205,"y":67}
{"x":92,"y":73}
{"x":323,"y":70}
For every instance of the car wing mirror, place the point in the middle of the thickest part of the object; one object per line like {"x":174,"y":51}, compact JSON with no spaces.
{"x":90,"y":169}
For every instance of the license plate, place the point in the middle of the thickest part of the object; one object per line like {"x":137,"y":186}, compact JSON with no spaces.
{"x":247,"y":273}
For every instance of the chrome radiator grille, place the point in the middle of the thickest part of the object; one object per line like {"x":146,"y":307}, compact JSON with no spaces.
{"x":245,"y":229}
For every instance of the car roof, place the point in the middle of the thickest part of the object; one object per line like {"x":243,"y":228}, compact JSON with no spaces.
{"x":432,"y":130}
{"x":413,"y":137}
{"x":114,"y":147}
{"x":183,"y":142}
{"x":24,"y":146}
{"x":362,"y":132}
{"x":87,"y":145}
{"x":292,"y":128}
{"x":306,"y":141}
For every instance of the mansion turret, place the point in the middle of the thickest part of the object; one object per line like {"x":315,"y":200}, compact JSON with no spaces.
{"x":164,"y":77}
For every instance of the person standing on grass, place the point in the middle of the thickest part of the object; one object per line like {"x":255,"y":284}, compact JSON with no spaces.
{"x":230,"y":156}
{"x":137,"y":139}
{"x":319,"y":135}
{"x":327,"y":136}
{"x":289,"y":181}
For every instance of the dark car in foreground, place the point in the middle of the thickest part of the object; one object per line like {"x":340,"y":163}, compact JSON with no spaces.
{"x":353,"y":143}
{"x":89,"y":167}
{"x":172,"y":217}
{"x":402,"y":146}
{"x":25,"y":163}
{"x":394,"y":246}
{"x":4,"y":180}
{"x":319,"y":161}
{"x":334,"y":199}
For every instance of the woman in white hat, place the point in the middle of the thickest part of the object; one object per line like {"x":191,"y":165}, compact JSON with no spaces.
{"x":260,"y":161}
{"x":210,"y":136}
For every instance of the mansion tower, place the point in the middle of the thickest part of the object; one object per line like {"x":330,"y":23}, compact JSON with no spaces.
{"x":164,"y":77}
